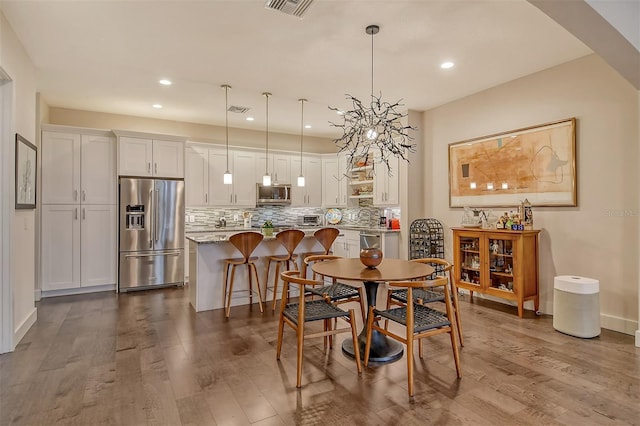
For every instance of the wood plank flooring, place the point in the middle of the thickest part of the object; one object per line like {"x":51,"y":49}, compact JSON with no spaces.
{"x":148,"y":358}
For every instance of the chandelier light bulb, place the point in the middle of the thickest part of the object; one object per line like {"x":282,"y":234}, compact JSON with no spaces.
{"x":372,"y":134}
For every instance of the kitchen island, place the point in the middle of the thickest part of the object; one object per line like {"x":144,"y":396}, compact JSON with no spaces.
{"x":207,"y":252}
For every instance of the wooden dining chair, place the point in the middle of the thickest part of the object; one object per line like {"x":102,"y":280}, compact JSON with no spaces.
{"x":246,"y":243}
{"x":297,"y":314}
{"x":337,"y":292}
{"x":423,"y":296}
{"x":326,"y":237}
{"x":420,"y":322}
{"x":290,"y":239}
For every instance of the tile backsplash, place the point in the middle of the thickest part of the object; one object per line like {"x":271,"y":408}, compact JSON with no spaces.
{"x":208,"y":217}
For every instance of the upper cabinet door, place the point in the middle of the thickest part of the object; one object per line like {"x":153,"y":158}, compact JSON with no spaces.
{"x":330,"y":183}
{"x":136,"y":156}
{"x":313,"y":181}
{"x":60,"y":168}
{"x":244,"y":186}
{"x":98,"y":170}
{"x":219,"y":193}
{"x":168,"y":159}
{"x":196,"y":179}
{"x":282,"y":168}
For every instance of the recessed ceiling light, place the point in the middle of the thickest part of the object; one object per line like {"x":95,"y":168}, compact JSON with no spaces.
{"x":250,"y":118}
{"x":307,"y":126}
{"x":446,"y":65}
{"x":165,"y":82}
{"x":157,"y":106}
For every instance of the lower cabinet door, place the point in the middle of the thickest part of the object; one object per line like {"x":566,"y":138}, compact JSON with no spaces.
{"x":60,"y":261}
{"x":98,"y":242}
{"x":150,"y":268}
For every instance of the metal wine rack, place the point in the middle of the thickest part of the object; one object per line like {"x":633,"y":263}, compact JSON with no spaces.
{"x":426,"y":239}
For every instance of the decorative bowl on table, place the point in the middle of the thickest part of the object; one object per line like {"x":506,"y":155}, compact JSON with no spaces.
{"x":371,"y":257}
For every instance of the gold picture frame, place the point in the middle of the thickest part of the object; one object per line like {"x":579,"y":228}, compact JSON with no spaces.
{"x":537,"y":163}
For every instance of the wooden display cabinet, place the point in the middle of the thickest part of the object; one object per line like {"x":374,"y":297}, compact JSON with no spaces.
{"x":499,"y":263}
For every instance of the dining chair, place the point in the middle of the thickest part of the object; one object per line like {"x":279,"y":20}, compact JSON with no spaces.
{"x":420,"y":321}
{"x":442,"y":269}
{"x":337,"y":292}
{"x":326,"y":238}
{"x":297,"y":314}
{"x":290,"y":239}
{"x":246,"y":243}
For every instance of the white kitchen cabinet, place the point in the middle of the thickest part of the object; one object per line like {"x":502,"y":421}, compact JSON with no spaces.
{"x":78,"y":246}
{"x":347,"y":244}
{"x":334,"y":182}
{"x":78,"y":168}
{"x":386,"y":186}
{"x":279,"y":168}
{"x":196,"y":177}
{"x":309,"y":195}
{"x":139,"y":156}
{"x":204,"y":183}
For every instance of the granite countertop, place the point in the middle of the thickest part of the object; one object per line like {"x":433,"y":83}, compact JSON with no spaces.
{"x":220,"y":235}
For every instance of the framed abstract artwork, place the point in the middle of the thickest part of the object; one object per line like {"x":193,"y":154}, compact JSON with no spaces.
{"x":26,"y":166}
{"x":537,"y":163}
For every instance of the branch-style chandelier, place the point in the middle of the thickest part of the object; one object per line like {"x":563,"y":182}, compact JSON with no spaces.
{"x":374,"y":127}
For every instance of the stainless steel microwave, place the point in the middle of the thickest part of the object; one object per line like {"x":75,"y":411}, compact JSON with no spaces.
{"x":273,"y":195}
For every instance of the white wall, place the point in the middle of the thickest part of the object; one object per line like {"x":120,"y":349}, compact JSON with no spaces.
{"x":18,"y":66}
{"x":584,"y":240}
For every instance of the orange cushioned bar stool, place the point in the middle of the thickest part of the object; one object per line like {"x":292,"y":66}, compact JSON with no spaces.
{"x":246,"y":243}
{"x":326,"y":237}
{"x":290,"y":240}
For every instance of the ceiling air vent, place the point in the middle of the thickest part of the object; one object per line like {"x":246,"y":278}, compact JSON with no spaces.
{"x":290,"y":7}
{"x":238,"y":109}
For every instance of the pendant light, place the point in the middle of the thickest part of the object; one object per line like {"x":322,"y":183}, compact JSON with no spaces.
{"x":374,"y":124}
{"x":266,"y":179}
{"x":228,"y":177}
{"x":301,"y":177}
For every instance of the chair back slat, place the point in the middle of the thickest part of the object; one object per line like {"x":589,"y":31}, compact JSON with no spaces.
{"x":246,"y":242}
{"x":290,"y":239}
{"x":440,"y":266}
{"x":326,"y":237}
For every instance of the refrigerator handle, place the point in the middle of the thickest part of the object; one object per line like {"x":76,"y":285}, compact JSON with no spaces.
{"x":156,"y":225}
{"x":151,"y":219}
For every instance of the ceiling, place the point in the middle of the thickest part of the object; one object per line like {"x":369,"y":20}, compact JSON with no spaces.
{"x":108,"y":56}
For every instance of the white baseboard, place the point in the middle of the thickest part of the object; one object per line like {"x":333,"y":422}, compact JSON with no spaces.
{"x":638,"y":338}
{"x":79,"y":290}
{"x":37,"y":294}
{"x":22,"y":329}
{"x":621,"y":325}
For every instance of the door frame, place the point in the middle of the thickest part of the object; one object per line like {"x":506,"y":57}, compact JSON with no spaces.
{"x":7,"y":152}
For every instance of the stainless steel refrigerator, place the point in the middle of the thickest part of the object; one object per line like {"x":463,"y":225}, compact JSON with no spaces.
{"x":151,"y":233}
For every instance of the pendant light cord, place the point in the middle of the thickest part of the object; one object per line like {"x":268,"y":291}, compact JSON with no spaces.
{"x":266,"y":160}
{"x":301,"y":132}
{"x":226,"y":119}
{"x":372,"y":34}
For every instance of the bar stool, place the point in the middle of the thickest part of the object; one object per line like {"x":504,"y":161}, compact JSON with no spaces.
{"x":245,"y":242}
{"x":290,"y":240}
{"x":326,"y":237}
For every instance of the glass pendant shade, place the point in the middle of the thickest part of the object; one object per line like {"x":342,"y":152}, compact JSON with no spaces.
{"x":300,"y":180}
{"x":266,"y":180}
{"x":228,"y":178}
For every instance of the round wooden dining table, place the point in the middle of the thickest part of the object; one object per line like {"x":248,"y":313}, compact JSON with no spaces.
{"x":382,"y":349}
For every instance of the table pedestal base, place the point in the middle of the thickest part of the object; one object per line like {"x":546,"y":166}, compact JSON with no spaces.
{"x":382,"y":348}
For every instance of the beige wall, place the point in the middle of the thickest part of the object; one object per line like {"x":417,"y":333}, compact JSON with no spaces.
{"x":586,"y":240}
{"x":16,"y":63}
{"x":194,"y":132}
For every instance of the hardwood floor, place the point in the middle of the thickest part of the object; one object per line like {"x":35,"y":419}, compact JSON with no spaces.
{"x":148,"y":358}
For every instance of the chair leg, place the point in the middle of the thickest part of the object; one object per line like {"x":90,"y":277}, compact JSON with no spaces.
{"x":226,"y":282}
{"x":275,"y":286}
{"x":367,"y":347}
{"x":255,"y":271}
{"x":456,"y":353}
{"x":410,"y":356}
{"x":354,"y":336}
{"x":362,"y":299}
{"x":456,"y":307}
{"x":230,"y":292}
{"x":420,"y":348}
{"x":250,"y":284}
{"x":280,"y":332}
{"x":300,"y":336}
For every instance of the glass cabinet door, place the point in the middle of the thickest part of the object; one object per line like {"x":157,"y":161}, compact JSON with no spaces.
{"x":501,"y":264}
{"x":470,"y":260}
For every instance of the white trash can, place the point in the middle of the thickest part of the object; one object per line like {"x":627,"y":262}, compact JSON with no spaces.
{"x":576,"y":306}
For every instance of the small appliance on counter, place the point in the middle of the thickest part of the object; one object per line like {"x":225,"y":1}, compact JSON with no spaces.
{"x":151,"y":233}
{"x":310,"y":220}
